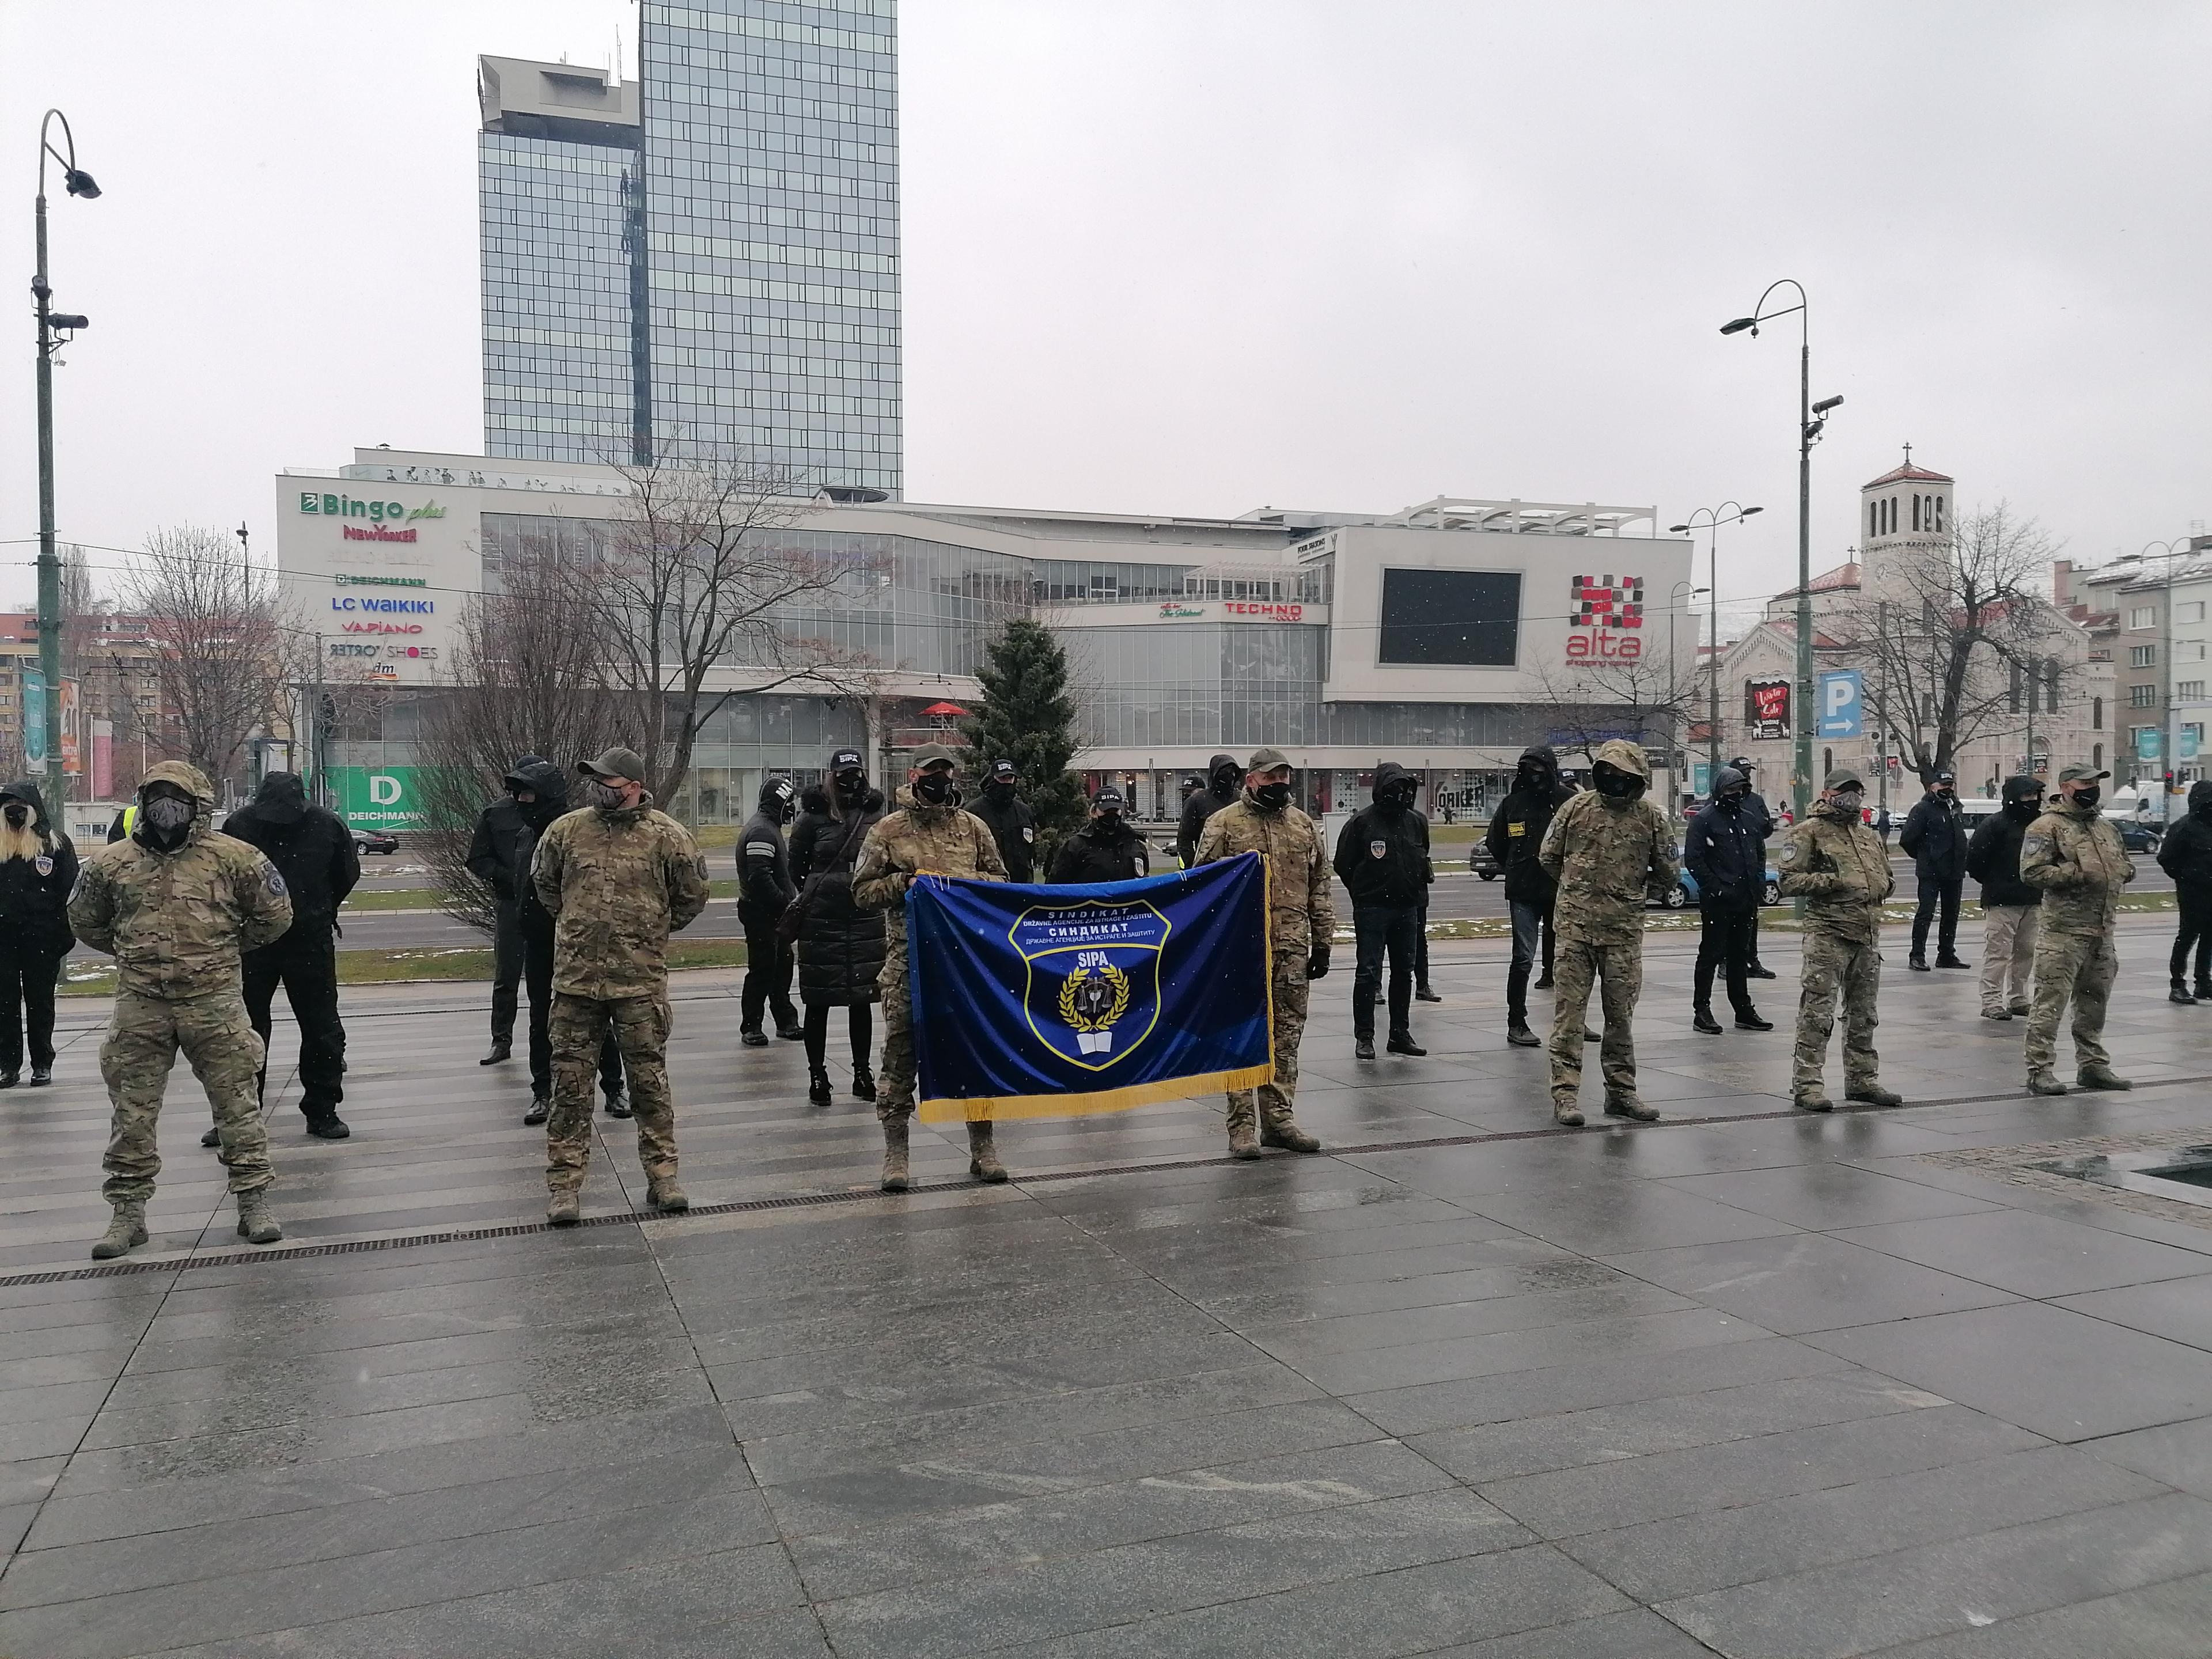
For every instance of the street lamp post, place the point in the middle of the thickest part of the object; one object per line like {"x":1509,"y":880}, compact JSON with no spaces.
{"x":1811,"y":418}
{"x":1713,"y":521}
{"x":52,"y":323}
{"x":1675,"y":734}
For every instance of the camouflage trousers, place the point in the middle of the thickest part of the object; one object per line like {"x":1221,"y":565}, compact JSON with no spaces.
{"x":895,"y":1083}
{"x":1834,"y":968}
{"x":141,"y":1046}
{"x":577,"y":1027}
{"x":1271,"y":1103}
{"x":1618,"y":970}
{"x":2080,"y":966}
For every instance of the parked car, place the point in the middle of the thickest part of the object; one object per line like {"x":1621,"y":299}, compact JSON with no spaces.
{"x":1481,"y":862}
{"x":2139,"y":834}
{"x":1685,"y":891}
{"x":375,"y":840}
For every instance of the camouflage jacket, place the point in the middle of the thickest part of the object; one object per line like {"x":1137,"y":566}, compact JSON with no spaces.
{"x":1839,"y":867}
{"x":943,"y":840}
{"x":2076,"y":859}
{"x":1301,"y":909}
{"x":176,"y":923}
{"x":617,"y":884}
{"x":1607,"y":856}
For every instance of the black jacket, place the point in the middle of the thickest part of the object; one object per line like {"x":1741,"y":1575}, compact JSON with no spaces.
{"x":765,"y":888}
{"x":1383,"y":851}
{"x":1013,"y":826}
{"x":841,"y":950}
{"x":1203,"y":805}
{"x":1517,"y":829}
{"x":311,"y":846}
{"x":505,"y":840}
{"x":1103,"y":850}
{"x":1725,"y":849}
{"x":1935,"y":840}
{"x":2185,"y":851}
{"x":1993,"y":857}
{"x":34,"y":903}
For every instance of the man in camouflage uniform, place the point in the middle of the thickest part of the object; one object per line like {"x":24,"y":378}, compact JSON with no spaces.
{"x":1839,"y":867}
{"x":1300,"y":923}
{"x":929,"y":831}
{"x":2076,"y":857}
{"x":176,"y":904}
{"x":618,"y":878}
{"x":1606,"y":849}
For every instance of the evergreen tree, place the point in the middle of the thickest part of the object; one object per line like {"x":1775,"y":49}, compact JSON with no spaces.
{"x":1028,"y":718}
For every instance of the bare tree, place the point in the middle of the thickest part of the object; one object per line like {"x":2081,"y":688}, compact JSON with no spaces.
{"x":224,"y":658}
{"x":520,"y":678}
{"x":697,"y":580}
{"x":1954,"y":631}
{"x":1589,"y":701}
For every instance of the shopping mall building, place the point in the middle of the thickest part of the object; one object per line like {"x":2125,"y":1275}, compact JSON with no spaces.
{"x":1444,"y":637}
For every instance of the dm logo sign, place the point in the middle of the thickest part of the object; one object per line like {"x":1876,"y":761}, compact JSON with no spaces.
{"x":1093,"y":992}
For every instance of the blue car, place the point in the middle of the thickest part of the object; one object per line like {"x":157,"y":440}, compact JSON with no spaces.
{"x":1684,"y":893}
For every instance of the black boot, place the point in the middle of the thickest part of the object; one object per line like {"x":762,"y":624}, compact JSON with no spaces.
{"x":1918,"y":963}
{"x":2203,"y":989}
{"x":752,"y":1036}
{"x":1518,"y":1034}
{"x":2179,"y":994}
{"x":1748,"y":1019}
{"x":1401,"y":1042}
{"x":1701,"y":1019}
{"x":1422,"y":993}
{"x":864,"y":1083}
{"x":541,"y":1107}
{"x":819,"y":1091}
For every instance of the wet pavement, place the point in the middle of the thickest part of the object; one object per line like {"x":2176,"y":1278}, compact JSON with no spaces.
{"x":1739,"y":1383}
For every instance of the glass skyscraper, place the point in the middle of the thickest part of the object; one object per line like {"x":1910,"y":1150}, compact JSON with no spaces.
{"x":706,"y":260}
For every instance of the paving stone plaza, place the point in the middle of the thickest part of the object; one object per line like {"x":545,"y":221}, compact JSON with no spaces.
{"x":1742,"y":1382}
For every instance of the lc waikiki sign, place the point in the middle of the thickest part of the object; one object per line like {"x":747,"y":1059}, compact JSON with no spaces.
{"x":381,"y":517}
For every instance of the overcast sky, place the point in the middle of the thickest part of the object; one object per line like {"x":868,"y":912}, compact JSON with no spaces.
{"x":1201,"y":255}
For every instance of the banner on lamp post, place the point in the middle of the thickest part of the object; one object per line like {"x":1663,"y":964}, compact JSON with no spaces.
{"x":34,"y":719}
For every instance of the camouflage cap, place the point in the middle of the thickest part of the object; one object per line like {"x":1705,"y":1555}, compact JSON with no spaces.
{"x":1843,"y":778}
{"x":2080,"y":773}
{"x":928,"y":754}
{"x":615,"y":763}
{"x":1266,"y":760}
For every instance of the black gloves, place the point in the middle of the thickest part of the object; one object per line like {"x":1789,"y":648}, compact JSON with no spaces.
{"x":1318,"y":963}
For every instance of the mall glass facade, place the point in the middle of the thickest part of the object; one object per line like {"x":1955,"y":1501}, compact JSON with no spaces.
{"x":558,"y":227}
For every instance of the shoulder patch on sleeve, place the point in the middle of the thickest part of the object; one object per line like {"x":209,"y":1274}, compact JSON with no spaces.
{"x":274,"y":883}
{"x":2034,"y":846}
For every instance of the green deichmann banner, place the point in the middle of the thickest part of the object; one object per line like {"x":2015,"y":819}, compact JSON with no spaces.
{"x":377,"y":797}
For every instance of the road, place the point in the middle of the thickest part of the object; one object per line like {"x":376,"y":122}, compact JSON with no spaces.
{"x":1457,"y":895}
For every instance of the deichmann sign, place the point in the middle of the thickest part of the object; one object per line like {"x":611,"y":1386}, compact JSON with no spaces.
{"x":344,"y":580}
{"x":377,"y":797}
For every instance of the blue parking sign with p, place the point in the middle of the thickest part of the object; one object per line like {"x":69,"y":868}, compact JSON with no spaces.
{"x":1843,"y":704}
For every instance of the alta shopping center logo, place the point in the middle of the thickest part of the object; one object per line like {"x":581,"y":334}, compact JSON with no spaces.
{"x":1608,"y":611}
{"x":379,"y":517}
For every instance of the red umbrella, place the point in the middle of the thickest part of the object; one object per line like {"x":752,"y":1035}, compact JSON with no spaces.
{"x":945,"y":711}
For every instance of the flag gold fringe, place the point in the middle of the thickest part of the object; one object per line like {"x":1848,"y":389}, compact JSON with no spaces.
{"x":1086,"y":1105}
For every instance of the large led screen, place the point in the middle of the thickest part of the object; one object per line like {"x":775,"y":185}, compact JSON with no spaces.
{"x":1451,"y":618}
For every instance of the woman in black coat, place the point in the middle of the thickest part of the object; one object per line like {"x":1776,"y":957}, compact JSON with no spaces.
{"x":38,"y":868}
{"x":841,"y":950}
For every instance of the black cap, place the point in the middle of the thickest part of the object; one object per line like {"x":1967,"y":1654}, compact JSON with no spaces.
{"x":847,"y":760}
{"x":1946,"y":777}
{"x":1002,"y":771}
{"x":1107,"y":796}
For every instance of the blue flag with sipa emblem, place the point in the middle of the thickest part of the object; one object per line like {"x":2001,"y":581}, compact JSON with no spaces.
{"x":1058,"y":1002}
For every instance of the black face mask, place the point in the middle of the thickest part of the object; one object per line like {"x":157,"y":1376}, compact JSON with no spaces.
{"x":1732,"y":802}
{"x":851,"y":784}
{"x":1615,"y":784}
{"x":18,"y":815}
{"x":933,"y":788}
{"x":1224,"y":781}
{"x":2089,"y":796}
{"x":1273,"y":796}
{"x":2023,"y":810}
{"x":2201,"y":809}
{"x":999,"y":790}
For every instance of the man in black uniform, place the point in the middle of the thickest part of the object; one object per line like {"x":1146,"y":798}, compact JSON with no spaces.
{"x":1224,"y":775}
{"x":2185,"y":853}
{"x":1012,"y":821}
{"x":314,"y":851}
{"x":1935,"y":840}
{"x":1105,"y":850}
{"x":1515,"y":833}
{"x":1383,"y":859}
{"x":1757,"y":812}
{"x":765,"y":891}
{"x":1725,"y":853}
{"x":491,"y":860}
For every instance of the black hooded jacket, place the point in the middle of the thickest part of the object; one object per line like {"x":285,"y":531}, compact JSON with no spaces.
{"x":1205,"y":802}
{"x":501,"y":849}
{"x":841,"y":949}
{"x":1993,"y":855}
{"x":1724,"y":848}
{"x":34,"y":903}
{"x":766,"y":888}
{"x":1105,"y":850}
{"x":2185,"y":851}
{"x":311,"y":846}
{"x":1935,"y":839}
{"x":1517,"y":829}
{"x":1012,"y":823}
{"x":1383,"y":851}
